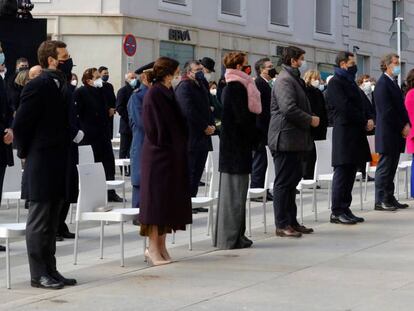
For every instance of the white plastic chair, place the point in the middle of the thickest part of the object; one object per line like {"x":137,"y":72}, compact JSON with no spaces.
{"x":86,"y":157}
{"x":92,"y":203}
{"x":12,"y":184}
{"x":404,"y":166}
{"x":7,"y":232}
{"x":215,"y":139}
{"x":369,"y":169}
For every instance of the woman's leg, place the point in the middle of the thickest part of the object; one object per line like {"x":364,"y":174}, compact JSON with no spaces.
{"x":154,"y":251}
{"x":163,"y":248}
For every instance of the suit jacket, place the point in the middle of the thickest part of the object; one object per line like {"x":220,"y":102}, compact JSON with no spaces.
{"x":42,"y":136}
{"x":391,"y":116}
{"x":318,"y":107}
{"x":6,"y":117}
{"x":289,"y":128}
{"x":349,"y":141}
{"x":263,"y":119}
{"x":122,"y":99}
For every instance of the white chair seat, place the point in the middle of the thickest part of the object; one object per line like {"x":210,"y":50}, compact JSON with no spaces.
{"x":113,"y":184}
{"x":123,"y":214}
{"x":404,"y":164}
{"x":122,"y":162}
{"x":358,"y":175}
{"x":201,"y":202}
{"x":306,"y":184}
{"x":116,"y":140}
{"x":12,"y":230}
{"x":325,"y":177}
{"x":12,"y":195}
{"x":256,"y":193}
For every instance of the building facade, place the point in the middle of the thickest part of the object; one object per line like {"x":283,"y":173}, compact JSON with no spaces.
{"x":192,"y":29}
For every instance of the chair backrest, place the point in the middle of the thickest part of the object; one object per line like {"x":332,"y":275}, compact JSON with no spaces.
{"x":92,"y":188}
{"x":270,"y":172}
{"x":13,"y":176}
{"x":215,"y":175}
{"x":323,"y":158}
{"x":371,"y":142}
{"x":117,"y":122}
{"x":86,"y":154}
{"x":329,"y":134}
{"x":215,"y":139}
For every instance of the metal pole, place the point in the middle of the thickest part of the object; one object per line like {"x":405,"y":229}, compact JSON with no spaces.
{"x":399,"y":20}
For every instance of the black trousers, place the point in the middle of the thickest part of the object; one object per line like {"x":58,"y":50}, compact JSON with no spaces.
{"x":342,"y":185}
{"x":41,"y":228}
{"x":309,"y":163}
{"x":125,"y":147}
{"x":259,"y":167}
{"x":288,"y":171}
{"x":2,"y":173}
{"x":63,"y":227}
{"x":197,"y":161}
{"x":384,"y":177}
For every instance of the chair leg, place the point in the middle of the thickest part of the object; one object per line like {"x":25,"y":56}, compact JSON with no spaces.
{"x":173,"y":238}
{"x":121,"y":238}
{"x":360,"y":193}
{"x":71,"y":214}
{"x":101,"y":240}
{"x":123,"y":196}
{"x":75,"y":251}
{"x":18,"y":211}
{"x":406,"y":183}
{"x":314,"y":203}
{"x":264,"y":213}
{"x":212,"y":223}
{"x":8,"y":204}
{"x":8,"y":277}
{"x":208,"y":221}
{"x":249,"y":215}
{"x":301,"y":205}
{"x":397,"y":184}
{"x":366,"y":186}
{"x":329,"y":195}
{"x":145,"y":248}
{"x":190,"y":242}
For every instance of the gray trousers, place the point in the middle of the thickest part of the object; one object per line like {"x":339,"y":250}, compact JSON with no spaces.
{"x":231,"y":211}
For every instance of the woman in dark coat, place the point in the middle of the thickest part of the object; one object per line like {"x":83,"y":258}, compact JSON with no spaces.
{"x":318,"y":106}
{"x":165,"y":189}
{"x":241,"y":101}
{"x":93,"y":117}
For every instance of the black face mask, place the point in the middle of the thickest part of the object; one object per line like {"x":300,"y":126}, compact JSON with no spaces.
{"x":66,"y":67}
{"x":272,"y":73}
{"x":22,"y":69}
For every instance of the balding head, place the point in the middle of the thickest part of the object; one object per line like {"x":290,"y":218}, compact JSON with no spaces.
{"x":34,"y":72}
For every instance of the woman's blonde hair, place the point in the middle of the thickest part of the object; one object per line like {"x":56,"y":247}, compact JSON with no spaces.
{"x":311,"y":74}
{"x":22,"y":78}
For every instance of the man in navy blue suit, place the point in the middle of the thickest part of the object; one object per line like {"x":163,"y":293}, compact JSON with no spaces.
{"x":392,"y":127}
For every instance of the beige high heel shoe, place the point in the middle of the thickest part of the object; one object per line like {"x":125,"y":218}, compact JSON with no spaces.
{"x":152,"y":262}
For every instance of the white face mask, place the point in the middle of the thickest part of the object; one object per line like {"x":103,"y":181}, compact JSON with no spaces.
{"x":315,"y":83}
{"x":213,"y":92}
{"x":321,"y":87}
{"x":98,"y":83}
{"x":367,"y":87}
{"x":176,"y":81}
{"x":373,"y":87}
{"x":303,"y":67}
{"x":74,"y":82}
{"x":207,"y":76}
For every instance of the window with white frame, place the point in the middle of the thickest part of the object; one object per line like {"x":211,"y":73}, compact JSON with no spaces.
{"x":363,"y":14}
{"x":231,"y":7}
{"x":179,"y":2}
{"x":279,"y":12}
{"x":363,"y":63}
{"x":176,"y":6}
{"x":323,"y":17}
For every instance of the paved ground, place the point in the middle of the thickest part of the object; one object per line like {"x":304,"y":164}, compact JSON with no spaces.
{"x":363,"y":267}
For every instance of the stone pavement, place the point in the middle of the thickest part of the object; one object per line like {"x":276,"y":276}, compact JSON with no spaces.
{"x":363,"y":267}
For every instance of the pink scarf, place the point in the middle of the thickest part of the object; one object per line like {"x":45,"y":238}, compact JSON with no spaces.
{"x":253,"y":94}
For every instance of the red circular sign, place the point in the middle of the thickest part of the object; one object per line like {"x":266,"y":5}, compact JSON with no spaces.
{"x":130,"y":45}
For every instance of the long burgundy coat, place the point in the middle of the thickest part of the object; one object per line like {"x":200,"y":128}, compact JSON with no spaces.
{"x":165,"y":191}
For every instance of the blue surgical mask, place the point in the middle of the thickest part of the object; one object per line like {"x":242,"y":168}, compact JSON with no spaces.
{"x":2,"y":58}
{"x":396,"y":71}
{"x":133,"y":83}
{"x":199,"y":75}
{"x":105,"y":78}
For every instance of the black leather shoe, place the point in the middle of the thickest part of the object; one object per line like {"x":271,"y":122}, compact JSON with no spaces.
{"x":115,"y":198}
{"x":399,"y":205}
{"x":269,"y":196}
{"x":68,"y":235}
{"x":342,"y":219}
{"x":355,"y":218}
{"x":385,"y":207}
{"x":59,"y":277}
{"x":201,"y":210}
{"x":59,"y":238}
{"x":2,"y":248}
{"x":47,"y":282}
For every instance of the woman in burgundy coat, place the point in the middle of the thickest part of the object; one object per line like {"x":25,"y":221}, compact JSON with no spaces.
{"x":165,"y":192}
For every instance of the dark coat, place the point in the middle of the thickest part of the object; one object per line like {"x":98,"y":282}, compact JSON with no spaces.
{"x":238,"y":137}
{"x":391,"y":116}
{"x":318,"y":108}
{"x":13,"y":94}
{"x":263,"y":119}
{"x":369,"y":109}
{"x":329,"y":108}
{"x":135,"y":106}
{"x":42,"y":136}
{"x":193,"y":98}
{"x":349,"y":141}
{"x":109,"y":99}
{"x":6,"y":117}
{"x":165,"y":187}
{"x":122,"y":99}
{"x":290,"y":129}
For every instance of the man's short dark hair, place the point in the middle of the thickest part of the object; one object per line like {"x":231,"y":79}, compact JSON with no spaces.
{"x":343,"y":57}
{"x":102,"y":68}
{"x":260,"y":65}
{"x":291,"y":52}
{"x":21,"y":60}
{"x":48,"y":49}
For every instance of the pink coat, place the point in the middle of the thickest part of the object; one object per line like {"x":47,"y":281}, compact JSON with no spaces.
{"x":409,"y":104}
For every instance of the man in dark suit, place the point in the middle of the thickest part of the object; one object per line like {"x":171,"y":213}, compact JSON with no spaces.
{"x":109,"y":98}
{"x":42,"y":136}
{"x":6,"y":117}
{"x":122,"y":98}
{"x":392,"y":127}
{"x":193,"y":97}
{"x":349,"y":142}
{"x":265,"y":73}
